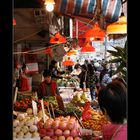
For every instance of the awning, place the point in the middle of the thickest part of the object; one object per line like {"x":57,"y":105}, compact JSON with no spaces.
{"x":111,"y":9}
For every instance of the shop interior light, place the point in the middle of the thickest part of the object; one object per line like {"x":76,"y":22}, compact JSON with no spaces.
{"x":49,"y":5}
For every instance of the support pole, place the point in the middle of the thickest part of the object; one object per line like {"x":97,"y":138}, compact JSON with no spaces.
{"x":105,"y":48}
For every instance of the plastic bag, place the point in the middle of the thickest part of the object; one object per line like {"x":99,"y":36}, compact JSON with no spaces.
{"x":86,"y":112}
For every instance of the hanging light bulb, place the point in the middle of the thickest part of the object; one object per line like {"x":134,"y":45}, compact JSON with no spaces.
{"x":49,"y":5}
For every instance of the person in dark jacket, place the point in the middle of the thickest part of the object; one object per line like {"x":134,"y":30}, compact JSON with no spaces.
{"x":56,"y":74}
{"x":83,"y":77}
{"x":92,"y":80}
{"x":48,"y":87}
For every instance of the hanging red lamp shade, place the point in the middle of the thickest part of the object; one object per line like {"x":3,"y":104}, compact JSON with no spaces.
{"x":14,"y":22}
{"x":87,"y":48}
{"x":95,"y":39}
{"x":95,"y":32}
{"x":68,"y":62}
{"x":57,"y":39}
{"x":71,"y":52}
{"x":48,"y":51}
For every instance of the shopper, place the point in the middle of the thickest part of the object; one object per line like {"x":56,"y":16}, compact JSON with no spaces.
{"x":92,"y":80}
{"x":112,"y":101}
{"x":56,"y":74}
{"x":83,"y":78}
{"x":23,"y":79}
{"x":48,"y":87}
{"x":105,"y":78}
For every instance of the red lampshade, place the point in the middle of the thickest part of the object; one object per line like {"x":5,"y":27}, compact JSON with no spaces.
{"x":68,"y":63}
{"x":57,"y":39}
{"x":87,"y":48}
{"x":95,"y":39}
{"x":95,"y":32}
{"x":14,"y":21}
{"x":48,"y":51}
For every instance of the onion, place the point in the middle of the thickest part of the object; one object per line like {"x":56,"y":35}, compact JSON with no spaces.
{"x":58,"y":132}
{"x":74,"y":133}
{"x":63,"y":125}
{"x":66,"y":133}
{"x":61,"y":138}
{"x":50,"y":132}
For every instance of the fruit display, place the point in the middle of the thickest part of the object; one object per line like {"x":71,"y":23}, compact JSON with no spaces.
{"x":60,"y":128}
{"x":69,"y":109}
{"x":96,"y":121}
{"x":52,"y":100}
{"x":80,"y":98}
{"x":25,"y":126}
{"x":70,"y":82}
{"x":23,"y":104}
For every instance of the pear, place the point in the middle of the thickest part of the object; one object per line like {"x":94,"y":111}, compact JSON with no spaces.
{"x":84,"y":96}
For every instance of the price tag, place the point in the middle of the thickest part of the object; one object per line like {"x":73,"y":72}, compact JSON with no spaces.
{"x":60,"y":103}
{"x":34,"y":105}
{"x":15,"y":97}
{"x":43,"y":111}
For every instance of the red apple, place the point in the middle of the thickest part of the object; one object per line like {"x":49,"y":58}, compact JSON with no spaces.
{"x":46,"y":138}
{"x":42,"y":132}
{"x":50,"y":132}
{"x":58,"y":132}
{"x":66,"y":133}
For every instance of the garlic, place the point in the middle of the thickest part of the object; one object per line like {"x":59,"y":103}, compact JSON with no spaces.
{"x":20,"y":134}
{"x":20,"y":117}
{"x":28,"y":135}
{"x":17,"y":129}
{"x":29,"y":111}
{"x":15,"y":123}
{"x":25,"y":129}
{"x":35,"y":134}
{"x":33,"y":128}
{"x":14,"y":134}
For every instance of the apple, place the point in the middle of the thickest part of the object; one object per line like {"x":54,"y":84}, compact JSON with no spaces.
{"x":50,"y":132}
{"x":46,"y":138}
{"x":58,"y":132}
{"x":61,"y":138}
{"x":69,"y":138}
{"x":42,"y":132}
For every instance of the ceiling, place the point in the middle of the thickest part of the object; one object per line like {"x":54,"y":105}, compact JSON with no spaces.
{"x":28,"y":3}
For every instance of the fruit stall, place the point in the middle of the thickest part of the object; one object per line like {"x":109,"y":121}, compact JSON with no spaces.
{"x":47,"y":119}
